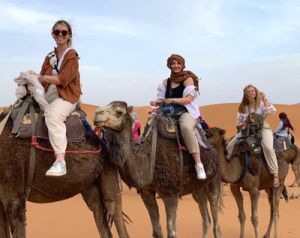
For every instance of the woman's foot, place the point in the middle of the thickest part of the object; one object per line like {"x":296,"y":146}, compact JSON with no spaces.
{"x":57,"y":169}
{"x":276,"y":183}
{"x":200,"y":171}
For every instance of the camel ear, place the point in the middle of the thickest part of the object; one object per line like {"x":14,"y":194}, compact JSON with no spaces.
{"x":130,"y":110}
{"x":222,"y":132}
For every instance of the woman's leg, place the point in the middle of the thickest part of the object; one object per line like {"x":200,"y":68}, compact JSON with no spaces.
{"x":59,"y":111}
{"x":269,"y":152}
{"x":187,"y":124}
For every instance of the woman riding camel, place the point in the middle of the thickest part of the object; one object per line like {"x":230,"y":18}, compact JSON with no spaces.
{"x":282,"y":131}
{"x":255,"y":102}
{"x":184,"y":87}
{"x":61,"y":81}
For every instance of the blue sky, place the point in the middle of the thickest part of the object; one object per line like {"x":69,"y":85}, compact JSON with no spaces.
{"x":124,"y":46}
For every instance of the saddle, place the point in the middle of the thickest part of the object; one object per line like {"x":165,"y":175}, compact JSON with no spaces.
{"x":250,"y":144}
{"x":168,"y":128}
{"x":23,"y":127}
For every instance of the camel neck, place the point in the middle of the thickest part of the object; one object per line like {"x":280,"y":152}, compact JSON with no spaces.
{"x":132,"y":161}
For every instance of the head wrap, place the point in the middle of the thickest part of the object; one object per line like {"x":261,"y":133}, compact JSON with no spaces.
{"x":183,"y":75}
{"x":282,"y":115}
{"x":285,"y":121}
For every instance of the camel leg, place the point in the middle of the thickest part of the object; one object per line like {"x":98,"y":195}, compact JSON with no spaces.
{"x":214,"y":194}
{"x":171,"y":204}
{"x":215,"y":199}
{"x":296,"y":171}
{"x":93,"y":198}
{"x":112,"y":199}
{"x":270,"y":199}
{"x":148,"y":197}
{"x":4,"y":226}
{"x":254,"y":204}
{"x":276,"y":200}
{"x":15,"y":208}
{"x":239,"y":201}
{"x":201,"y":198}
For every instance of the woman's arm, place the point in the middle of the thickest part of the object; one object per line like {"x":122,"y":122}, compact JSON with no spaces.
{"x":161,"y":93}
{"x":279,"y":128}
{"x":46,"y":78}
{"x":263,"y":97}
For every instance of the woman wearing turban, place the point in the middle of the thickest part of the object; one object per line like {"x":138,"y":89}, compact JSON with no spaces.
{"x":183,"y":86}
{"x":282,"y":131}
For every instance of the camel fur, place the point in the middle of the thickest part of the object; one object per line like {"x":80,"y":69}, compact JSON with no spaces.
{"x":92,"y":175}
{"x":133,"y":163}
{"x":232,"y":170}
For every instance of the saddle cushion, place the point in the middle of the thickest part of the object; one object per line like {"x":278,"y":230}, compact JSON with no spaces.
{"x":24,"y":130}
{"x":75,"y":127}
{"x":240,"y":151}
{"x":166,"y":130}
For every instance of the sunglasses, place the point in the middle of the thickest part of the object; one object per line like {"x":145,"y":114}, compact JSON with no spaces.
{"x":57,"y":32}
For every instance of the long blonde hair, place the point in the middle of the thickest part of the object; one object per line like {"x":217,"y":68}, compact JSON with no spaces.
{"x":246,"y":102}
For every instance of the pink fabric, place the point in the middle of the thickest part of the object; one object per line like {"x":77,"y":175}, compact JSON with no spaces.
{"x":135,"y":130}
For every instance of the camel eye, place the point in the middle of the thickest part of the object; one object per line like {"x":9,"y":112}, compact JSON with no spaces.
{"x":119,"y":113}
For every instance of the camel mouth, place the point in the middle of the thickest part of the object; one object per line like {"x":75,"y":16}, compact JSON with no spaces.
{"x":98,"y":123}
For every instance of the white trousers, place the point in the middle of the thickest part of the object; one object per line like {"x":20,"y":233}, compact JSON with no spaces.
{"x":267,"y":146}
{"x":60,"y":109}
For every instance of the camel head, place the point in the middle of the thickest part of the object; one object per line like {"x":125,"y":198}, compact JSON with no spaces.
{"x":114,"y":116}
{"x":216,"y":137}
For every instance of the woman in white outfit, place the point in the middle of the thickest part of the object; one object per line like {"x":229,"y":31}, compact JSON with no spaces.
{"x":255,"y":102}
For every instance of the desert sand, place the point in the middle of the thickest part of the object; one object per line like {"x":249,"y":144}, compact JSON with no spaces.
{"x":72,"y":219}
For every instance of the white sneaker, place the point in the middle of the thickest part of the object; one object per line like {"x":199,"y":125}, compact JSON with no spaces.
{"x":200,"y":171}
{"x":57,"y":169}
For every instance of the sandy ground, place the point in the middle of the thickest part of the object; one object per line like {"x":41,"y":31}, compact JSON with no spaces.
{"x":72,"y":219}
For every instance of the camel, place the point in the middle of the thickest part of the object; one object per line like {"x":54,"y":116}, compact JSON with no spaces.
{"x":92,"y":175}
{"x":232,"y":170}
{"x":133,"y":163}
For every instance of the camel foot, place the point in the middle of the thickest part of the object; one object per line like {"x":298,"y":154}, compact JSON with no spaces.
{"x":298,"y":197}
{"x":292,"y":197}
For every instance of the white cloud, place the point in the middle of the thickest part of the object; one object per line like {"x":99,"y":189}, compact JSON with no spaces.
{"x":89,"y":68}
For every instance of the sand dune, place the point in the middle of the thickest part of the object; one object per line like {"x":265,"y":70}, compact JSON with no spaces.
{"x":72,"y":219}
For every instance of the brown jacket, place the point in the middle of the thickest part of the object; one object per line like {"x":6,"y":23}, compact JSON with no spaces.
{"x":68,"y":75}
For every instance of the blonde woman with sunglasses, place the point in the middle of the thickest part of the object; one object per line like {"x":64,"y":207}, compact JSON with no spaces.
{"x":61,"y":81}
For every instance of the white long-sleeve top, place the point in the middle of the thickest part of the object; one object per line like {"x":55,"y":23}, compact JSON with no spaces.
{"x":262,"y":110}
{"x":192,"y":107}
{"x":280,"y":132}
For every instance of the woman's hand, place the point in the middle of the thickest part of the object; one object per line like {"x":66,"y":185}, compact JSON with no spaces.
{"x":169,"y":100}
{"x":263,"y":96}
{"x":240,"y":124}
{"x":33,"y":73}
{"x":153,"y":103}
